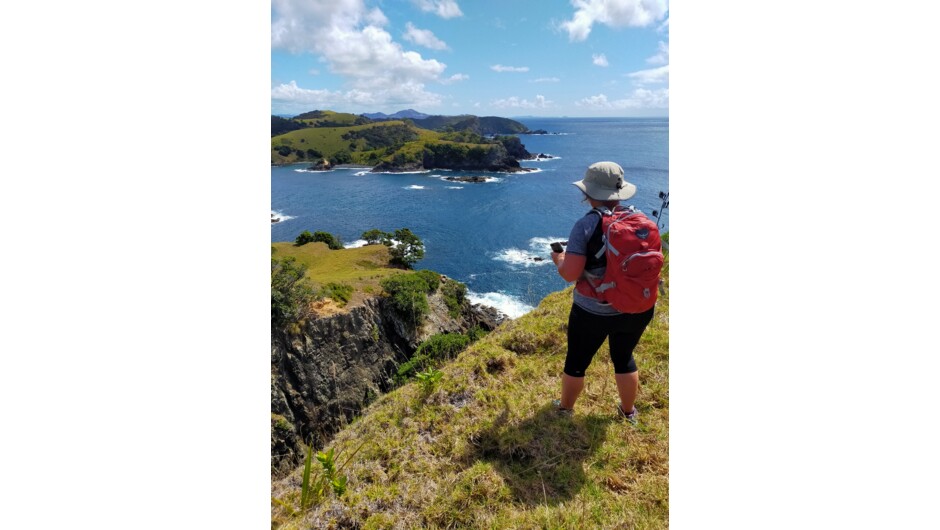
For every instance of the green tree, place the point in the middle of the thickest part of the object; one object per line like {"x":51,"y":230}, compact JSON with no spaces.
{"x":304,"y":238}
{"x":405,"y":247}
{"x":375,"y":236}
{"x":341,"y":157}
{"x":331,"y":241}
{"x":324,"y":237}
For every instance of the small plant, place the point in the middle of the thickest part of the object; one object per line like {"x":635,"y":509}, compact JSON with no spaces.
{"x":330,"y":475}
{"x":328,"y":479}
{"x":429,"y":378}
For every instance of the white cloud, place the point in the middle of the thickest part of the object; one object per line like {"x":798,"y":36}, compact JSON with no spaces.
{"x":664,"y":27}
{"x":651,"y":76}
{"x":455,"y":78}
{"x":314,"y":72}
{"x":501,"y":68}
{"x":662,"y":56}
{"x":612,"y":13}
{"x":546,"y":80}
{"x":292,"y":98}
{"x":349,"y":38}
{"x":600,"y":60}
{"x":641,"y":98}
{"x":423,"y":37}
{"x":514,"y":102}
{"x":442,"y":8}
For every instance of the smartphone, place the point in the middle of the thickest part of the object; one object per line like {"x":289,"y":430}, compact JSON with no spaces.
{"x":556,"y":246}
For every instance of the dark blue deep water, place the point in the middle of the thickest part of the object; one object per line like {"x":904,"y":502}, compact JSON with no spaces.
{"x":483,"y":234}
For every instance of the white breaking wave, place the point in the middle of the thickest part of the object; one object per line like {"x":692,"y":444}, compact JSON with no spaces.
{"x":361,"y":173}
{"x":455,"y":187}
{"x":404,"y":172}
{"x":355,"y":244}
{"x":314,"y":171}
{"x":533,"y":170}
{"x":278,"y":215}
{"x":543,"y":159}
{"x":517,"y":256}
{"x":538,"y":253}
{"x":504,"y":303}
{"x":415,"y":187}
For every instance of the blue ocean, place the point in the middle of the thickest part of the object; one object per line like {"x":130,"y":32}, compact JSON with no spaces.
{"x":483,"y":234}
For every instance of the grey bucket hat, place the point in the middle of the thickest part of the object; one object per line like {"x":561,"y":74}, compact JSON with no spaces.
{"x":603,"y":181}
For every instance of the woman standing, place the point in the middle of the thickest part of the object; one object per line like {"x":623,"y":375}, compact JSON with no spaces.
{"x":592,"y":319}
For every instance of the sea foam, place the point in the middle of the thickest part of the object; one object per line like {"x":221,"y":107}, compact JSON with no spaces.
{"x":281,"y":216}
{"x":355,"y":244}
{"x":507,"y":304}
{"x":539,"y":247}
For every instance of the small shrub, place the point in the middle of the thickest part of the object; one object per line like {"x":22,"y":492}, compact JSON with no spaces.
{"x":436,"y":348}
{"x":284,"y":150}
{"x":431,"y":278}
{"x":340,"y":292}
{"x":454,"y":295}
{"x":476,"y":333}
{"x":290,"y":295}
{"x":407,"y":295}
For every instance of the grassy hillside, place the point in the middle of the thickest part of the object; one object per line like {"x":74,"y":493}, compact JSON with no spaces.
{"x":483,"y":448}
{"x":467,"y":122}
{"x":361,"y":268}
{"x":328,"y":118}
{"x":329,"y":141}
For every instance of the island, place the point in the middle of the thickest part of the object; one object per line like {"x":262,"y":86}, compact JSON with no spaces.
{"x":393,"y":144}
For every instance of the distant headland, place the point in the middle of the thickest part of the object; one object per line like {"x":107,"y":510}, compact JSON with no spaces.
{"x":407,"y":140}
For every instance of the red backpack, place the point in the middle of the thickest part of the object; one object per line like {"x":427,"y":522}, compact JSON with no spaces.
{"x":634,"y":260}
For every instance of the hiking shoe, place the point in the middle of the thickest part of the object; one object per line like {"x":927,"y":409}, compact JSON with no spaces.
{"x":632,"y":417}
{"x":557,"y":404}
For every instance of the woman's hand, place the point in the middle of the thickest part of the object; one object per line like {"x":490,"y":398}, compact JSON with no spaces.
{"x":570,"y":267}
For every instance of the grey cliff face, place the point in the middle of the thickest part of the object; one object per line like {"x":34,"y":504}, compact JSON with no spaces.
{"x":323,"y":376}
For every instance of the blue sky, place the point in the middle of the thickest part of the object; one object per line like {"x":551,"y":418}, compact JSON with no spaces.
{"x":483,"y":57}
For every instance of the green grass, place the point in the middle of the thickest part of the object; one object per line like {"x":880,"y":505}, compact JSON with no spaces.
{"x":485,"y":449}
{"x":360,"y":268}
{"x":329,"y":115}
{"x":329,"y":141}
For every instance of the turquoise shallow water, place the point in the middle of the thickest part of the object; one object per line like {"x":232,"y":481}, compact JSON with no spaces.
{"x":483,"y":234}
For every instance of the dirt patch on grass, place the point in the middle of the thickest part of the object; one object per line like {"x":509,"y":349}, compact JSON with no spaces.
{"x":326,"y":307}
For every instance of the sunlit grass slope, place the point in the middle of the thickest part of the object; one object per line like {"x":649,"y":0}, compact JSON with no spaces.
{"x":483,"y":448}
{"x":362,"y":268}
{"x":329,"y":141}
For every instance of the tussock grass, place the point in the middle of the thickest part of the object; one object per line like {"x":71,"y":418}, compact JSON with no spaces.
{"x":485,"y":449}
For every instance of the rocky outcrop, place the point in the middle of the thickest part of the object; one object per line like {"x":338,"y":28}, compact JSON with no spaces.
{"x":324,"y":373}
{"x":321,"y":165}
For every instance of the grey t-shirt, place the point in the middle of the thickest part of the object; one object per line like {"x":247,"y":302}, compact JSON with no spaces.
{"x":577,"y":244}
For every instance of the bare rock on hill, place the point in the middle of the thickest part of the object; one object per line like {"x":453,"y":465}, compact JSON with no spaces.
{"x":324,"y":373}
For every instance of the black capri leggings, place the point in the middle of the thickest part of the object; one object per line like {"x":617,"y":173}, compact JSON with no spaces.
{"x":587,"y":331}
